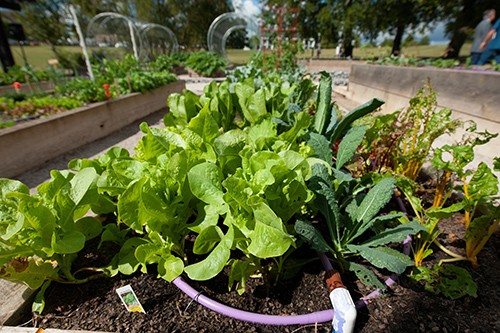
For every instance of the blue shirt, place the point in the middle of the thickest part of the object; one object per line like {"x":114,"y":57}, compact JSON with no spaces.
{"x":495,"y":43}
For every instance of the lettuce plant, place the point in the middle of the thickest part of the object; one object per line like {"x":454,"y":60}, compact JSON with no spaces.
{"x":42,"y":233}
{"x":205,"y":63}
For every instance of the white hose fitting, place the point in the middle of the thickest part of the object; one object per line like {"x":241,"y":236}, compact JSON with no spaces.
{"x":345,"y":313}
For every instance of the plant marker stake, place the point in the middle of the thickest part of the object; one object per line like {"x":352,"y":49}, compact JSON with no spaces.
{"x":129,"y":299}
{"x":132,"y":37}
{"x":82,"y":41}
{"x":116,"y":87}
{"x":129,"y":85}
{"x":29,"y":83}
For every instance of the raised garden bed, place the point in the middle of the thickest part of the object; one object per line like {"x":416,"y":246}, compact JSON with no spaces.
{"x":95,"y":306}
{"x":143,"y":206}
{"x":472,"y":94}
{"x":193,"y":74}
{"x":29,"y":144}
{"x":327,"y":64}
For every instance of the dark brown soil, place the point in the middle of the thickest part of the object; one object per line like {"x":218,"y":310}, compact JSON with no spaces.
{"x":405,"y":307}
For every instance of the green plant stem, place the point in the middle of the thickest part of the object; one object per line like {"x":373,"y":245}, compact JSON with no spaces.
{"x":448,"y":252}
{"x":452,"y":260}
{"x":65,"y":268}
{"x":80,"y":281}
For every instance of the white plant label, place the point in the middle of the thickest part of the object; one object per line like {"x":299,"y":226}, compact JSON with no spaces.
{"x":129,"y":299}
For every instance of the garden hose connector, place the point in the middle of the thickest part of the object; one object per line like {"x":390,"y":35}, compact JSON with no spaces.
{"x":344,"y":317}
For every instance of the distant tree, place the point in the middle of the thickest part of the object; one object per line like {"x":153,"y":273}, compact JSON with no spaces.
{"x":387,"y":42}
{"x":424,"y":41}
{"x":45,"y":20}
{"x":87,"y":9}
{"x":198,"y":15}
{"x":309,"y":24}
{"x":189,"y":20}
{"x":409,"y":41}
{"x":236,"y":40}
{"x":397,"y":17}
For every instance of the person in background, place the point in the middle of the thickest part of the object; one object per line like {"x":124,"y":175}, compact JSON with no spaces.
{"x":494,"y":46}
{"x":480,"y":33}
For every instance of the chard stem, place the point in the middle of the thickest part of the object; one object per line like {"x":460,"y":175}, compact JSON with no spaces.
{"x":448,"y":252}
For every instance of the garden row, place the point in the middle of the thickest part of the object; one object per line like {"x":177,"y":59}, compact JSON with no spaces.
{"x":111,"y":79}
{"x":243,"y":170}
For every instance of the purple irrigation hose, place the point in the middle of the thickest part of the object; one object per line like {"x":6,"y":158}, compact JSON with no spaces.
{"x":28,"y":118}
{"x":312,"y":318}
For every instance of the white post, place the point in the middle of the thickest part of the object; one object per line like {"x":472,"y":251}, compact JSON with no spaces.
{"x":132,"y":37}
{"x":82,"y":42}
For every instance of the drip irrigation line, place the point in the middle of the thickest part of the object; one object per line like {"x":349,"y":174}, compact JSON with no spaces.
{"x":312,"y":318}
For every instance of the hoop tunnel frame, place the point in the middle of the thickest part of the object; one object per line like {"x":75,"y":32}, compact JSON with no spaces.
{"x":217,"y":40}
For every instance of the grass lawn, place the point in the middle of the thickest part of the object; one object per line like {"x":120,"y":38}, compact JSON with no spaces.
{"x":38,"y":56}
{"x":424,"y":51}
{"x":238,"y":56}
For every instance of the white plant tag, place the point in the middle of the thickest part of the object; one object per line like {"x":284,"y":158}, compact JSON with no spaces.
{"x":129,"y":299}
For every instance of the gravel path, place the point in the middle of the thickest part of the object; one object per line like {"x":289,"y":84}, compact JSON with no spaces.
{"x":127,"y":138}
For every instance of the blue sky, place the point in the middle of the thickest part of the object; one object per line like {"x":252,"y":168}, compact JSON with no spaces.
{"x":249,"y":7}
{"x":253,"y":7}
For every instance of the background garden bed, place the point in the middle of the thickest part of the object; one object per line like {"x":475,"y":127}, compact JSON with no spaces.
{"x":25,"y":87}
{"x":27,"y":145}
{"x":472,"y":94}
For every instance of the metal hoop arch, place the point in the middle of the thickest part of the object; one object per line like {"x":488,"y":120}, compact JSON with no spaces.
{"x":134,"y":33}
{"x":224,"y":25}
{"x":146,"y":27}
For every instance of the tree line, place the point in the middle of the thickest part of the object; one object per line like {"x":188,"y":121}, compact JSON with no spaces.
{"x":347,"y":20}
{"x":335,"y":21}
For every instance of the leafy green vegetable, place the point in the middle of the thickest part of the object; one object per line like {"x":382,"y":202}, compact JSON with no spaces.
{"x":453,"y":282}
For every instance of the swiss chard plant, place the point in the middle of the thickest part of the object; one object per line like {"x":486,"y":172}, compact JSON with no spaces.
{"x":479,"y":188}
{"x":401,"y":142}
